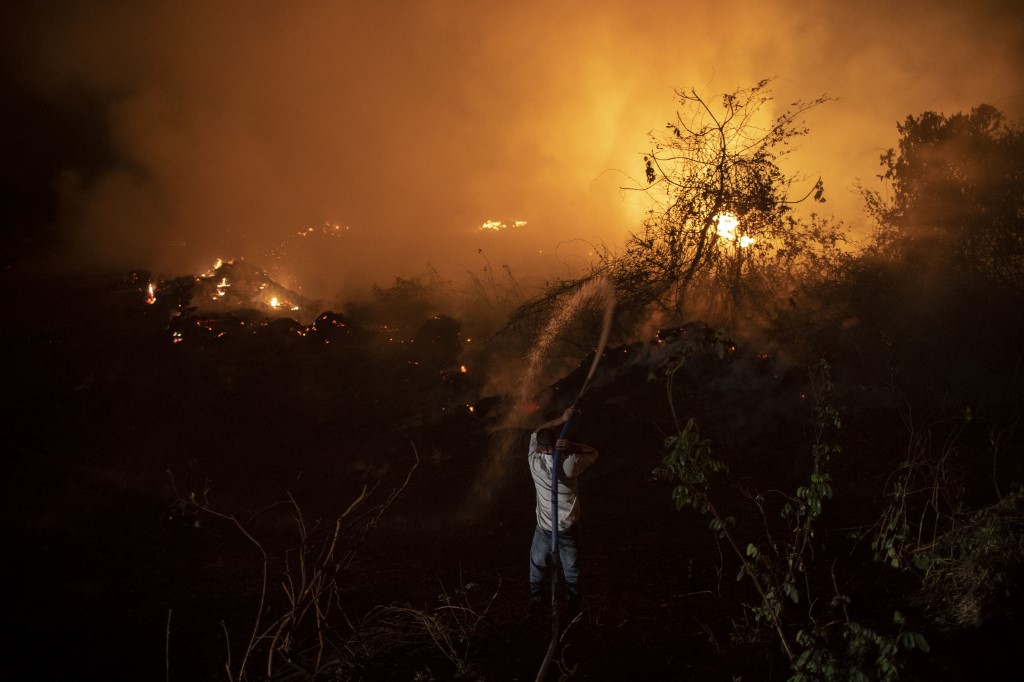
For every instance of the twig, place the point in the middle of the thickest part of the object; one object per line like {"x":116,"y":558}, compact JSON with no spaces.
{"x":167,"y":648}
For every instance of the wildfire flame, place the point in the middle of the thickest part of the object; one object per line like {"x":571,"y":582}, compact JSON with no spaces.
{"x":151,"y":293}
{"x":727,"y":224}
{"x":497,"y":225}
{"x":217,"y":265}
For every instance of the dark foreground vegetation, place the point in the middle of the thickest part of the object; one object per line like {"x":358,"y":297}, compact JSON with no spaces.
{"x":810,"y":453}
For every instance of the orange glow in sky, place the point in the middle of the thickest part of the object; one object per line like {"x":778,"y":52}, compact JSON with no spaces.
{"x":236,"y":125}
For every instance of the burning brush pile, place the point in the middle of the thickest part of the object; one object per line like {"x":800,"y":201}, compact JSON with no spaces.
{"x":235,"y":299}
{"x":238,"y":313}
{"x":231,"y":297}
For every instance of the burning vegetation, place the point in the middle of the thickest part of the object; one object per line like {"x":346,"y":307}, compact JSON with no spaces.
{"x":237,"y":311}
{"x":837,"y":429}
{"x":498,"y":225}
{"x":228,"y":286}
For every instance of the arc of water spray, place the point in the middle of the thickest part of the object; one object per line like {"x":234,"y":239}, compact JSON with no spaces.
{"x":506,"y":433}
{"x":564,"y":435}
{"x":606,"y":326}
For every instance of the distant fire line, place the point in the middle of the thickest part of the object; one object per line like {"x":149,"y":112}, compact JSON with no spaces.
{"x":498,"y":225}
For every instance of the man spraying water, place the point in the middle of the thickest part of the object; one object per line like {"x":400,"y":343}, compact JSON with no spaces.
{"x":555,"y":465}
{"x":558,"y":507}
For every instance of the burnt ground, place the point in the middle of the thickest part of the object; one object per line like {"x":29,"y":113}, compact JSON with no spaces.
{"x":109,"y":577}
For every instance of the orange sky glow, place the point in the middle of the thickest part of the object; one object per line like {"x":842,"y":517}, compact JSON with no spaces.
{"x":340,"y":144}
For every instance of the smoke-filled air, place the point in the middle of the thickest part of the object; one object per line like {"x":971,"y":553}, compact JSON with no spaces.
{"x":479,"y":340}
{"x":338,"y":145}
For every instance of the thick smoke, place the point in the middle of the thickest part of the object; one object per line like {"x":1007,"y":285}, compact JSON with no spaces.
{"x":343,"y":144}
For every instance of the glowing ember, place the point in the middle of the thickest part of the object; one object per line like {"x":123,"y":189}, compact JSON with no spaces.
{"x":328,"y":228}
{"x":463,"y":369}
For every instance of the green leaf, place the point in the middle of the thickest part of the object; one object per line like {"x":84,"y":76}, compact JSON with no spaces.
{"x":790,"y":590}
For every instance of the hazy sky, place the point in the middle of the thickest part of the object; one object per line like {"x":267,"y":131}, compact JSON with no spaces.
{"x":237,"y":125}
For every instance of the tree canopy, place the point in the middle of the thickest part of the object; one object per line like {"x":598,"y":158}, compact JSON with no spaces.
{"x":957,"y":196}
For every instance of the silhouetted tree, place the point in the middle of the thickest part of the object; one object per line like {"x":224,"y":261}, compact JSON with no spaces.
{"x":726,"y":218}
{"x":933,"y":304}
{"x":957,"y":197}
{"x":724,"y":235}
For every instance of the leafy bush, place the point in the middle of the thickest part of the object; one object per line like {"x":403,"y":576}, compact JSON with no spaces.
{"x":782,"y":567}
{"x":972,"y":570}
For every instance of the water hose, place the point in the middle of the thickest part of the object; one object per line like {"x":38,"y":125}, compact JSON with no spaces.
{"x":564,"y":436}
{"x":555,"y":563}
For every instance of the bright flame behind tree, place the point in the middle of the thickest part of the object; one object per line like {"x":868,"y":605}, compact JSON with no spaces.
{"x":720,"y":200}
{"x":727,"y":224}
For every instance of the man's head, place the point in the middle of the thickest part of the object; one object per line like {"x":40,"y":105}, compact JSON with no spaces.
{"x":546,"y":438}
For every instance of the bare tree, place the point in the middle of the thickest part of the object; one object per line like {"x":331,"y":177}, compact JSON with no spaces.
{"x":725,"y":226}
{"x":723,"y":233}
